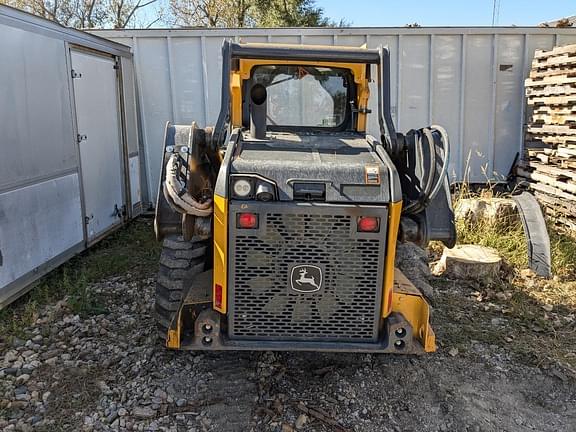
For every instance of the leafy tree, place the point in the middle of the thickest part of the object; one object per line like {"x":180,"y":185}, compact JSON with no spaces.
{"x":186,"y":13}
{"x":87,"y":13}
{"x":290,"y":13}
{"x":248,"y":13}
{"x":210,"y":13}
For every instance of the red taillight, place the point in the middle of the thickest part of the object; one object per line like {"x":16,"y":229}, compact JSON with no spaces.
{"x":368,"y":224}
{"x":218,"y":296}
{"x":247,"y":220}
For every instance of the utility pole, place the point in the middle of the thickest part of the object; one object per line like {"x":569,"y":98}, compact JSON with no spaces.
{"x":495,"y":12}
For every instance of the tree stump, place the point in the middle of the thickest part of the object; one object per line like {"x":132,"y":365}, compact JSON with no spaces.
{"x":469,"y":262}
{"x":493,"y":211}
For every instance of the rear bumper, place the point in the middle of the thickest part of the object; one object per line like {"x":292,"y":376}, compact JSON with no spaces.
{"x":397,"y":338}
{"x":405,"y":331}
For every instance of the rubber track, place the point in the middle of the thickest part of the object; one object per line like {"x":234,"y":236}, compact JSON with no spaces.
{"x":180,"y":261}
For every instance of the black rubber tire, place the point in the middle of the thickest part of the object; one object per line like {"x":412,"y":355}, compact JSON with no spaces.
{"x":180,"y":262}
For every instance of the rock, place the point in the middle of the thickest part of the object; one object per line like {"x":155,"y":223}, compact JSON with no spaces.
{"x":122,"y":412}
{"x":548,"y":307}
{"x":10,"y":357}
{"x":287,"y":428}
{"x":161,"y":394}
{"x":527,"y":273}
{"x":51,"y":361}
{"x":181,"y":402}
{"x":23,"y":397}
{"x":103,"y":387}
{"x":412,"y":260}
{"x":17,"y":342}
{"x":469,"y":262}
{"x":28,"y":354}
{"x":497,"y":322}
{"x":112,"y":417}
{"x":20,"y":390}
{"x":453,"y":352}
{"x":301,"y":421}
{"x":143,"y":412}
{"x":22,"y":379}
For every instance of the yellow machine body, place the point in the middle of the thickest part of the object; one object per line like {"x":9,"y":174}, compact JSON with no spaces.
{"x":403,"y":308}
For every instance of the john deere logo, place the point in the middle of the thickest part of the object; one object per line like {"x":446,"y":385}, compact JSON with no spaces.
{"x":306,"y":278}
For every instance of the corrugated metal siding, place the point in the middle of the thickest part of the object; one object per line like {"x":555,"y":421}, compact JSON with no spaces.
{"x":468,"y":79}
{"x":42,"y":205}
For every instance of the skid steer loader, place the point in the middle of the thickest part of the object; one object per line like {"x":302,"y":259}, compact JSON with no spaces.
{"x":280,"y":223}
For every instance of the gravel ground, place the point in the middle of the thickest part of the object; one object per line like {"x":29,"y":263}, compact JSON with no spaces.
{"x":109,"y":373}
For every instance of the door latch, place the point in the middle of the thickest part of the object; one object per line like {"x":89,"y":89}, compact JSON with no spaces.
{"x":117,"y":212}
{"x":75,"y":74}
{"x":80,"y":138}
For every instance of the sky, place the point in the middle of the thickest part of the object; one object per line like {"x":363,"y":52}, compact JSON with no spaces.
{"x":397,"y":13}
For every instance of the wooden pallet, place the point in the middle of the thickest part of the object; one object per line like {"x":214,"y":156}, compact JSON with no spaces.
{"x":562,"y":60}
{"x":554,"y":140}
{"x":549,"y":160}
{"x":551,"y":90}
{"x":553,"y":100}
{"x":547,"y":129}
{"x":566,"y":49}
{"x":541,"y":178}
{"x":556,"y":110}
{"x":551,"y":190}
{"x":566,"y":71}
{"x":549,"y":80}
{"x":566,"y":206}
{"x":554,"y":119}
{"x":558,"y":173}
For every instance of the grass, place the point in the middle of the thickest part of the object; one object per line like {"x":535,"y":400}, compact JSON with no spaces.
{"x":132,"y":249}
{"x":540,"y":314}
{"x":506,"y":235}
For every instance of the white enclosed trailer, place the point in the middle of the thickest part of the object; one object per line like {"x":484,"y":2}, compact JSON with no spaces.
{"x":470,"y":80}
{"x":69,"y":163}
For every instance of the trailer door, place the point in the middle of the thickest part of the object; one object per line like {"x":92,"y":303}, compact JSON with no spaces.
{"x":99,"y":138}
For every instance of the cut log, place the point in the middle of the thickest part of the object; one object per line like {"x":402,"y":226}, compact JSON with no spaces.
{"x":469,"y":262}
{"x":492,"y":211}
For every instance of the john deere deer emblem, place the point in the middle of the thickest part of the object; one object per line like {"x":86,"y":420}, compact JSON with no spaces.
{"x":306,"y":278}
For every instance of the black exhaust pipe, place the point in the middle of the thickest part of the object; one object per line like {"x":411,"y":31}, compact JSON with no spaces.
{"x":258,"y":97}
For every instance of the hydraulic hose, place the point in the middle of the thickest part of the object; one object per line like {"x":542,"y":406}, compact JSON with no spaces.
{"x":179,"y":196}
{"x":430,"y":189}
{"x":444,"y":170}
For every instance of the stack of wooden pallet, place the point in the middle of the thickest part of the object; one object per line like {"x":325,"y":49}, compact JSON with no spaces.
{"x":550,"y":160}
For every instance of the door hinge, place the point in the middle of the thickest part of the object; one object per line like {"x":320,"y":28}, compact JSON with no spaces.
{"x":80,"y":138}
{"x":75,"y":74}
{"x":116,"y":64}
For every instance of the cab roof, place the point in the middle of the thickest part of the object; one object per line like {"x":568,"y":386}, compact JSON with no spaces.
{"x":319,"y":53}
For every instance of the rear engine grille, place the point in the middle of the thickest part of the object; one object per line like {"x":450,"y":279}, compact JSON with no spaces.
{"x":264,"y":306}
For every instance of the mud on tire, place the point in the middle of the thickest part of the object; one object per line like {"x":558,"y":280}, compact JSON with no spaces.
{"x":180,"y":262}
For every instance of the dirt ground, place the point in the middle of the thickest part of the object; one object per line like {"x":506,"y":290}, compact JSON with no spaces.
{"x":106,"y":371}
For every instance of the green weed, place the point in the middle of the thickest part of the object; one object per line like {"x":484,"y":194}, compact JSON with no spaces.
{"x":132,"y":249}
